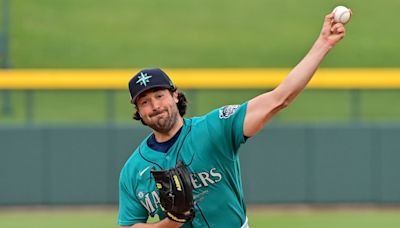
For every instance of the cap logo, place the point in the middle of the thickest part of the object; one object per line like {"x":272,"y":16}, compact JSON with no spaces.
{"x":143,"y":79}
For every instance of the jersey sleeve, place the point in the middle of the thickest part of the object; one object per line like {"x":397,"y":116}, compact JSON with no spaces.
{"x":226,"y":126}
{"x":130,"y":210}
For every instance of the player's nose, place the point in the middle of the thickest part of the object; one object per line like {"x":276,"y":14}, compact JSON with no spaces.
{"x":156,"y":105}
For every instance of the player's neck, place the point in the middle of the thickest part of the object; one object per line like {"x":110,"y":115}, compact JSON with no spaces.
{"x":163,"y":137}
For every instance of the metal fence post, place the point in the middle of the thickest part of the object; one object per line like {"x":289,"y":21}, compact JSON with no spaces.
{"x":355,"y":103}
{"x":29,"y":104}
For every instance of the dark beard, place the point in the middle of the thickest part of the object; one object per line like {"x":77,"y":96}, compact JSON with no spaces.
{"x":164,"y":125}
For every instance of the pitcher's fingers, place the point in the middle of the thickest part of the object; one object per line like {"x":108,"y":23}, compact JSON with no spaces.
{"x":337,"y":28}
{"x":328,"y":19}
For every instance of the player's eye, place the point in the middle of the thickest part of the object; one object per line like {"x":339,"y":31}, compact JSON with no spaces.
{"x":144,"y":102}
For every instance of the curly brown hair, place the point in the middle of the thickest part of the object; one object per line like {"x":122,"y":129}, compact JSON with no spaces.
{"x":182,"y":104}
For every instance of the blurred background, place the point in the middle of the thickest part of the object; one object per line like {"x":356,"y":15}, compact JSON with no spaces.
{"x":66,"y":128}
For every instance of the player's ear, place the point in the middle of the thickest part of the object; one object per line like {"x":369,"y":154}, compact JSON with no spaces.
{"x":175,"y":96}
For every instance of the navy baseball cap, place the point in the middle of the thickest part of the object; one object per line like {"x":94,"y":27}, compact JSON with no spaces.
{"x":148,"y":79}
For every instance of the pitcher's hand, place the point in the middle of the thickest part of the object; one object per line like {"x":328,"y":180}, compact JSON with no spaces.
{"x":332,"y":32}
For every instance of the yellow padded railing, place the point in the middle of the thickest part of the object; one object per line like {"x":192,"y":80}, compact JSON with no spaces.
{"x":349,"y":78}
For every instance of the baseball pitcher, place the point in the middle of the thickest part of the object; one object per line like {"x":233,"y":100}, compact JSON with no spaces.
{"x":186,"y":172}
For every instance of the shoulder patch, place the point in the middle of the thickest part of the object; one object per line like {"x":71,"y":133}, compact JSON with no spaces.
{"x":227,"y":111}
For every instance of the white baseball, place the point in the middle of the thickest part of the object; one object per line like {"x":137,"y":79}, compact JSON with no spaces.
{"x":341,"y":14}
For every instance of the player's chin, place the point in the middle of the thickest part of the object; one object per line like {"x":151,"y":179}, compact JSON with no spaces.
{"x":164,"y":125}
{"x":161,"y":124}
{"x":160,"y":119}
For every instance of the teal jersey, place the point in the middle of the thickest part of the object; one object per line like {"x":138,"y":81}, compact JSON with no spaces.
{"x":208,"y":145}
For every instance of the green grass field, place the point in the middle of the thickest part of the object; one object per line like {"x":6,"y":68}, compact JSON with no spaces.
{"x":85,"y":218}
{"x":208,"y":33}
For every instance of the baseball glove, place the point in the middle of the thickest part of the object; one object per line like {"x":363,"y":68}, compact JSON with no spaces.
{"x":175,"y":188}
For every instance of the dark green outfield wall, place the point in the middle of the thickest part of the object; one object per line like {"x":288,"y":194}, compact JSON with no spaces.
{"x":323,"y":164}
{"x":283,"y":164}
